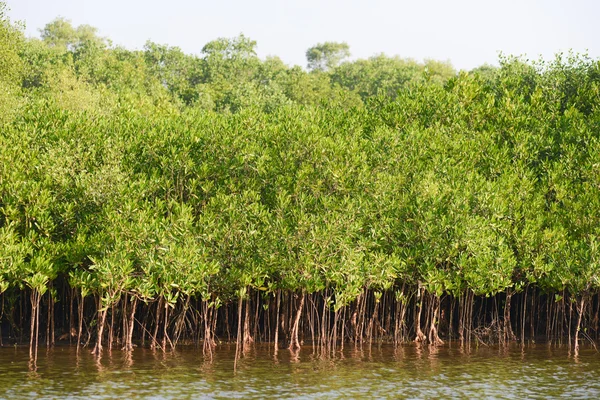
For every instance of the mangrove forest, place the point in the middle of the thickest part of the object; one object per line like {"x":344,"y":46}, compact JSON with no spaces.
{"x":157,"y":198}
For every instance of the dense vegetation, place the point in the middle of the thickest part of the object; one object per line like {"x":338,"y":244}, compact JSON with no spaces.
{"x":158,"y":197}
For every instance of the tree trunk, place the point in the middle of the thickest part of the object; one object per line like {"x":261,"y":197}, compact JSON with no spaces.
{"x":276,"y":346}
{"x":239,"y":334}
{"x":434,"y":338}
{"x":419,"y":335}
{"x":129,"y":344}
{"x":294,"y":343}
{"x":80,"y":320}
{"x":158,"y":314}
{"x":35,"y":322}
{"x":248,"y":340}
{"x":98,"y":348}
{"x":581,"y":308}
{"x":508,"y":332}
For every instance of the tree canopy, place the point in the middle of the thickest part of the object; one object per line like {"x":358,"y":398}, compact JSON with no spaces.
{"x":160,"y":181}
{"x":326,"y":56}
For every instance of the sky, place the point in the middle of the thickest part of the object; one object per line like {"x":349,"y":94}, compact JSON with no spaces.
{"x":468,"y":33}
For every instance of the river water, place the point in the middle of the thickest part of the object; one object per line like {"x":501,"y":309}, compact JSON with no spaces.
{"x":536,"y":371}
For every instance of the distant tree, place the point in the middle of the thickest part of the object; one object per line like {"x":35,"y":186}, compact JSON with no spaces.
{"x":326,"y":56}
{"x":230,"y":60}
{"x":229,"y":63}
{"x":175,"y":70}
{"x":58,"y":33}
{"x":225,"y":48}
{"x":383,"y":75}
{"x":61,"y":33}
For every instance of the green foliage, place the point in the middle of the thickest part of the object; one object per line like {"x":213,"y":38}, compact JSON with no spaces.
{"x":326,"y":56}
{"x":61,"y":34}
{"x":386,"y":76}
{"x":163,"y":175}
{"x":11,"y":39}
{"x":11,"y":65}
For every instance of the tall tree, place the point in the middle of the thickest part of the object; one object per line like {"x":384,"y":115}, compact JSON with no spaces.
{"x":327,"y":55}
{"x":61,"y":33}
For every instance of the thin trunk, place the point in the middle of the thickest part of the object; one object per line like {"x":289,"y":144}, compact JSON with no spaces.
{"x":98,"y":349}
{"x":37,"y":324}
{"x":48,"y":319}
{"x":581,"y":309}
{"x":239,"y":334}
{"x":570,"y":319}
{"x":294,"y":344}
{"x":214,"y":317}
{"x":34,"y":328}
{"x":434,"y":338}
{"x":157,"y":323}
{"x":419,"y":335}
{"x":256,"y":317}
{"x":276,"y":346}
{"x":362,"y":316}
{"x":531,"y":312}
{"x":462,"y":315}
{"x":208,"y":343}
{"x":597,"y":315}
{"x":323,"y":335}
{"x":335,"y":322}
{"x":80,"y":320}
{"x":165,"y":330}
{"x":508,"y":332}
{"x":248,"y":340}
{"x":129,"y":345}
{"x":523,"y":318}
{"x":144,"y":326}
{"x":111,"y":327}
{"x":343,"y":330}
{"x":451,"y":318}
{"x":227,"y":327}
{"x":343,"y":334}
{"x":373,"y":321}
{"x":314,"y":318}
{"x":550,"y":318}
{"x":354,"y":319}
{"x":181,"y":320}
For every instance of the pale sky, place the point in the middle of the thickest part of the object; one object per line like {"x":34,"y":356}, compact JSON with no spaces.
{"x":466,"y":32}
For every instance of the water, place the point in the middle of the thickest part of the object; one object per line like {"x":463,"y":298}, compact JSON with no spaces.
{"x":538,"y":371}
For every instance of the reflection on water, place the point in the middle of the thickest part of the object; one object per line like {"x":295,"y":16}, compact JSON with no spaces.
{"x":408,"y":371}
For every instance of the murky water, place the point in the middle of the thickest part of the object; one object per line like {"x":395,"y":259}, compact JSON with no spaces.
{"x":538,"y":371}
